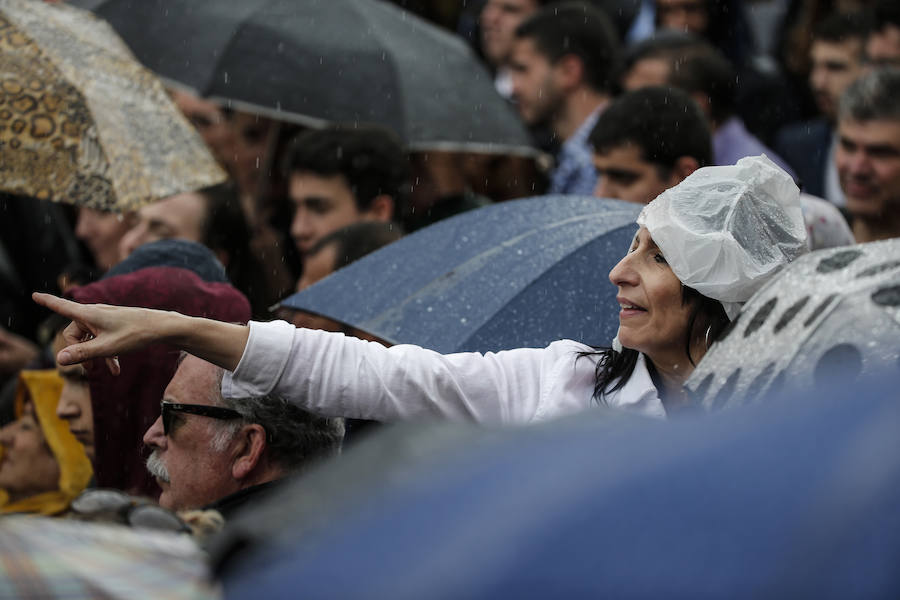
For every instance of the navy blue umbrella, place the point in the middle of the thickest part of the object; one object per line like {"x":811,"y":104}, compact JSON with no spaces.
{"x":796,"y":498}
{"x":517,"y":274}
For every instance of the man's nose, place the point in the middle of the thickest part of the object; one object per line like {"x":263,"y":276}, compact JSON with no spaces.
{"x":65,"y":409}
{"x":604,"y":189}
{"x":859,"y":163}
{"x":300,"y":226}
{"x":6,"y":436}
{"x":155,"y":436}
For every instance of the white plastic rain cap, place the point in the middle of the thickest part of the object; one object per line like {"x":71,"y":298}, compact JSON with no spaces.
{"x":726,"y":230}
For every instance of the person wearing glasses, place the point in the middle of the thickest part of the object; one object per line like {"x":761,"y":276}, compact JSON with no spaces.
{"x":108,"y":414}
{"x":213,"y":453}
{"x":703,"y":248}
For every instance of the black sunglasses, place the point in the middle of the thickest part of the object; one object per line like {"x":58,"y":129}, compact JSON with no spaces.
{"x":168,"y":410}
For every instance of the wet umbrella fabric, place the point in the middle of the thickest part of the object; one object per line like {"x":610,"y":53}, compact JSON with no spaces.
{"x":832,"y":311}
{"x":57,"y":558}
{"x":81,"y":121}
{"x":522,"y":273}
{"x":796,"y":498}
{"x":325,"y":61}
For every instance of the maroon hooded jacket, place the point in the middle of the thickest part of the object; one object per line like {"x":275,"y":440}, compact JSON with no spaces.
{"x":126,"y":405}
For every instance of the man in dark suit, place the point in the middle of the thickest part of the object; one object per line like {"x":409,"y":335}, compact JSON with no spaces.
{"x":837,"y":61}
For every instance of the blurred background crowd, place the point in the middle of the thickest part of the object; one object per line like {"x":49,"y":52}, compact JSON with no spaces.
{"x":618,"y":99}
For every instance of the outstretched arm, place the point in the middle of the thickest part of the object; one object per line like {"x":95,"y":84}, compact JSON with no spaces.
{"x":103,"y":331}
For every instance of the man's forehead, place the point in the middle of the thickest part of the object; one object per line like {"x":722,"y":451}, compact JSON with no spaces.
{"x":626,"y":155}
{"x":851,"y":47}
{"x":872,"y":132}
{"x":194,"y":377}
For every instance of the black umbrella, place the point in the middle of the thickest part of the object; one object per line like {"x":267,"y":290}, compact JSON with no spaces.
{"x":832,"y":312}
{"x":320,"y":61}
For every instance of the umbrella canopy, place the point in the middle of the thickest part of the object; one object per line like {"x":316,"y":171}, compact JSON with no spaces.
{"x":797,"y":498}
{"x":57,"y":558}
{"x":518,"y":274}
{"x":831,"y":312}
{"x":325,"y":61}
{"x":82,"y":122}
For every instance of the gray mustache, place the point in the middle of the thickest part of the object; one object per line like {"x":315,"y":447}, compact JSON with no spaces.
{"x":156,"y":467}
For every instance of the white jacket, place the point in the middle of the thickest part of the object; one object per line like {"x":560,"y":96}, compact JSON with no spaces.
{"x":334,"y":375}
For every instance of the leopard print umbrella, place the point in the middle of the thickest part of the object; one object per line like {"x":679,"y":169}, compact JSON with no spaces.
{"x":81,"y":121}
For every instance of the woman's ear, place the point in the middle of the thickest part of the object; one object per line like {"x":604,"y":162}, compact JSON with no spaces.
{"x":249,"y":450}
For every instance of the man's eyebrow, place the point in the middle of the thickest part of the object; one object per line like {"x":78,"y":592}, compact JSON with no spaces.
{"x":618,"y":173}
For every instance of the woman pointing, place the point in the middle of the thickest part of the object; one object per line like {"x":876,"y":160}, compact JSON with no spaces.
{"x":703,"y":248}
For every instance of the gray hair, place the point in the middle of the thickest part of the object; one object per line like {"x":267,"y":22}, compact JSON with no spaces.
{"x":872,"y":97}
{"x":294,"y":437}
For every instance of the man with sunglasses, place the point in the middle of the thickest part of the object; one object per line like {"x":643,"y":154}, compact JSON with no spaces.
{"x":215,"y":453}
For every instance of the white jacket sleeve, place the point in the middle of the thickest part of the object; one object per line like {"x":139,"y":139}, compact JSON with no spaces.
{"x":335,"y":375}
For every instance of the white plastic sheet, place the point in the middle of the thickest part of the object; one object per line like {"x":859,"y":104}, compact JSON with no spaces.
{"x":726,"y":230}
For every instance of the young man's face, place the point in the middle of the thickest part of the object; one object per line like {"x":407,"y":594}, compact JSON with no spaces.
{"x":321,"y":205}
{"x":868,"y":164}
{"x":624,"y":174}
{"x":835,"y":65}
{"x":498,"y":22}
{"x":645,"y":73}
{"x":537,"y":95}
{"x":883,"y":47}
{"x":683,"y":15}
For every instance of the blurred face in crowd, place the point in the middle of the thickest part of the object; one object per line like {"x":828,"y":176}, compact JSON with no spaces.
{"x":182,"y":216}
{"x":74,"y":405}
{"x":189,"y":470}
{"x":101,"y":232}
{"x":624,"y":174}
{"x":210,"y":122}
{"x":835,"y":65}
{"x":653,"y":319}
{"x":883,"y":47}
{"x":316,"y":266}
{"x":250,"y":146}
{"x":499,"y":19}
{"x":682,"y":15}
{"x":645,"y":73}
{"x":868,"y":164}
{"x":325,"y":204}
{"x":28,"y":466}
{"x":534,"y":83}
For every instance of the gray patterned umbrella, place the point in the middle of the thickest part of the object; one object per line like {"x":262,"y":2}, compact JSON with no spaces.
{"x":832,"y":313}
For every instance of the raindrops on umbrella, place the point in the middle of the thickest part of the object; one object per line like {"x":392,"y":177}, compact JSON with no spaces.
{"x":832,"y":314}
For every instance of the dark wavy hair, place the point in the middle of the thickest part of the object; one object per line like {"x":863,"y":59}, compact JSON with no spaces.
{"x":615,"y":368}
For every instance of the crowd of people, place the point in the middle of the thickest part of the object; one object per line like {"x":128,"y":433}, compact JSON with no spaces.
{"x":181,"y":382}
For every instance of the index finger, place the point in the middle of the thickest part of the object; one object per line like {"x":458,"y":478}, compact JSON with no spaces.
{"x":66,"y":308}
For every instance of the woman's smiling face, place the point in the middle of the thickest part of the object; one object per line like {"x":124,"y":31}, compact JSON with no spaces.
{"x":653,"y":318}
